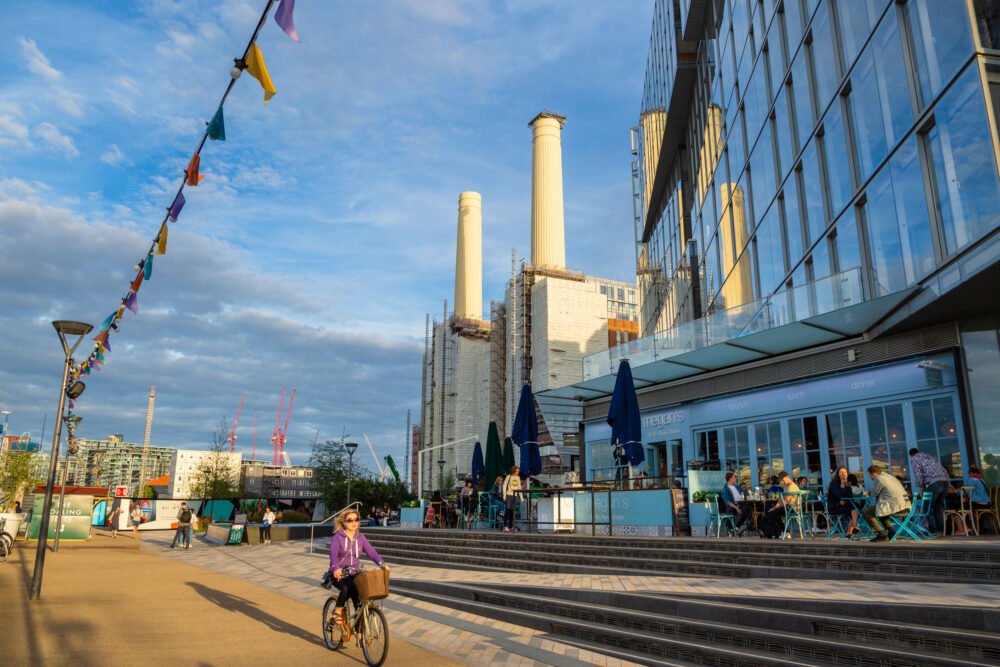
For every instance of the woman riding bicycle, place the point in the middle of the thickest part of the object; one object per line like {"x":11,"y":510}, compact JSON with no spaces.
{"x":345,"y":550}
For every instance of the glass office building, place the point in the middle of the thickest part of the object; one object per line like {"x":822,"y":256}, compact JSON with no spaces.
{"x":817,"y":204}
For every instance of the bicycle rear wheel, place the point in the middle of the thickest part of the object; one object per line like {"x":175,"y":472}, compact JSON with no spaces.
{"x":374,"y":637}
{"x":333,"y":634}
{"x":9,"y":539}
{"x":4,"y":551}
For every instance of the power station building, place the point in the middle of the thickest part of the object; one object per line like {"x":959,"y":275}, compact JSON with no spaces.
{"x":818,"y":224}
{"x":550,"y":318}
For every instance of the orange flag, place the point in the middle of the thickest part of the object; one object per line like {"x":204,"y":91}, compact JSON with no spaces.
{"x":193,"y":178}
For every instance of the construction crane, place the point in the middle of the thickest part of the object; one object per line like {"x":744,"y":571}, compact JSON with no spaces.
{"x":278,"y":437}
{"x":236,"y":421}
{"x":253,"y":452}
{"x":145,"y":440}
{"x":378,"y":463}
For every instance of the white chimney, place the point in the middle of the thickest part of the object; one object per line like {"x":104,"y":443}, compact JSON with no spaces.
{"x":469,"y":258}
{"x":548,"y":243}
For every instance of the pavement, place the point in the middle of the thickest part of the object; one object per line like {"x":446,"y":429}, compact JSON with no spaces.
{"x":114,"y":601}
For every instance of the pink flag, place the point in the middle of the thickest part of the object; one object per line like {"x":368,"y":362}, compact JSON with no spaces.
{"x":283,"y":17}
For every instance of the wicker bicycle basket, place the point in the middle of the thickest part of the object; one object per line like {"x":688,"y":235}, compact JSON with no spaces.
{"x":372,"y":584}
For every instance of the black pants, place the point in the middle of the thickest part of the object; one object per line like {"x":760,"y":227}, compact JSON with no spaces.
{"x":266,"y":532}
{"x":742,"y":517}
{"x":508,"y":515}
{"x":347,"y":590}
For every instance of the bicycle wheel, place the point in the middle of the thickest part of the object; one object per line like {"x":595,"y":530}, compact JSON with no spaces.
{"x":9,"y":539}
{"x":333,"y":634}
{"x":374,"y":637}
{"x":4,"y":551}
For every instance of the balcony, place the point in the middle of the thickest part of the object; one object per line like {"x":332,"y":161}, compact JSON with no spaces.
{"x":824,"y":311}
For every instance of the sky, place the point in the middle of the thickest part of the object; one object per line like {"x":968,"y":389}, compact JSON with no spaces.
{"x":324,"y":229}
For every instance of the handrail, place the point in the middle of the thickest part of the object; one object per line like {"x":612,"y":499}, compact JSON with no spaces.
{"x":313,"y":524}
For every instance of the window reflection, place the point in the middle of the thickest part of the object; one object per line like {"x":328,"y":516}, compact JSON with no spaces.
{"x":966,"y":175}
{"x":793,"y":24}
{"x":981,"y":346}
{"x":812,"y":193}
{"x":824,"y":56}
{"x":787,"y":146}
{"x":941,"y":41}
{"x":937,"y":432}
{"x":793,"y":218}
{"x":762,"y":172}
{"x":988,"y":22}
{"x":802,"y":97}
{"x":838,"y":159}
{"x":770,"y":254}
{"x":887,"y":435}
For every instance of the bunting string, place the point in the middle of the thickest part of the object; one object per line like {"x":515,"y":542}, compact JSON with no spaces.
{"x":252,"y":61}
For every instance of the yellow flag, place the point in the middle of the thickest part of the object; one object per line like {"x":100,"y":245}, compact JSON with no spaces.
{"x":258,"y":70}
{"x":161,"y":241}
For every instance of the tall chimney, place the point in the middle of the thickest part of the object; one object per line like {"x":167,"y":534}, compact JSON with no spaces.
{"x":548,"y":243}
{"x":469,"y":258}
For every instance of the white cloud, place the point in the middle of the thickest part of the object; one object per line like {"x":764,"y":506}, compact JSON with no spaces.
{"x":114,"y":156}
{"x":51,"y":135}
{"x":70,"y":102}
{"x":36,"y":62}
{"x":12,"y":132}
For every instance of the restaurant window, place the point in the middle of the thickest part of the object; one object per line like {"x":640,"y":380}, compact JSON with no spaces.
{"x":737,"y":443}
{"x":887,"y":435}
{"x":803,"y":437}
{"x":937,"y":432}
{"x":844,"y":438}
{"x":708,"y":445}
{"x":770,"y":457}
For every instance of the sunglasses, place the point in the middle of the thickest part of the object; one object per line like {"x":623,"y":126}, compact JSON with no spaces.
{"x":354,"y":520}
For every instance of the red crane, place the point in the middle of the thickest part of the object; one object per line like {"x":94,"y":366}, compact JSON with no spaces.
{"x":232,"y":434}
{"x":278,"y":437}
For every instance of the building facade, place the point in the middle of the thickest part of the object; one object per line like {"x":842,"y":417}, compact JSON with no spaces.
{"x":818,"y":229}
{"x":114,"y":462}
{"x":263,"y":480}
{"x":184,"y":465}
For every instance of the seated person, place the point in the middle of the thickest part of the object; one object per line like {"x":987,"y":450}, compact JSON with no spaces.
{"x":775,"y":517}
{"x":775,"y":486}
{"x":856,"y":487}
{"x":890,"y":499}
{"x":980,"y":493}
{"x":837,"y":503}
{"x":732,"y":498}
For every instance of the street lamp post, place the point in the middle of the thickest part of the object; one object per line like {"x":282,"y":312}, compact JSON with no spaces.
{"x":63,"y":328}
{"x":441,"y":463}
{"x":351,"y":446}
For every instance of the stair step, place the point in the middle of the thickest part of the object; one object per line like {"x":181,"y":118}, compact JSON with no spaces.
{"x":659,"y":635}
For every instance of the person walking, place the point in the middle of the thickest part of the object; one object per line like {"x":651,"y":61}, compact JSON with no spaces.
{"x":269,"y":519}
{"x":136,"y":516}
{"x":115,"y":513}
{"x":345,"y":550}
{"x":511,"y":484}
{"x":183,"y":534}
{"x":929,"y":475}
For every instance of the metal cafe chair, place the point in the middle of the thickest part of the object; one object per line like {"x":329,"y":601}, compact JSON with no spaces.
{"x":794,"y":513}
{"x":913,"y":523}
{"x":989,"y":513}
{"x":835,"y":523}
{"x":717,"y":518}
{"x":960,"y":518}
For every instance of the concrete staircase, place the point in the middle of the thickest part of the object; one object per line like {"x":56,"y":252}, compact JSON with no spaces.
{"x":745,"y":557}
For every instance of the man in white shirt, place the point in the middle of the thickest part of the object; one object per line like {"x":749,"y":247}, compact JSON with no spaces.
{"x":733,"y":499}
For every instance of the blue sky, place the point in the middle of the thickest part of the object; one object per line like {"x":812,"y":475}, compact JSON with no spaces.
{"x":324,"y":229}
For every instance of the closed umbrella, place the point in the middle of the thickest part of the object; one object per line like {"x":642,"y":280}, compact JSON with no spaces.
{"x":508,"y":455}
{"x":494,"y":464}
{"x":478,"y":467}
{"x":623,"y":416}
{"x":525,"y":433}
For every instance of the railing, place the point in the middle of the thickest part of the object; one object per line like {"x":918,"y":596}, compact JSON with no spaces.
{"x":531,"y":520}
{"x":792,"y":305}
{"x":312,"y":525}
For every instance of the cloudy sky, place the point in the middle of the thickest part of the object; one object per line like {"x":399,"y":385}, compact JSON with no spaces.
{"x":324,"y":229}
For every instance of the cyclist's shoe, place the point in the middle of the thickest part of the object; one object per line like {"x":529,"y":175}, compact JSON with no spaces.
{"x":341,"y":622}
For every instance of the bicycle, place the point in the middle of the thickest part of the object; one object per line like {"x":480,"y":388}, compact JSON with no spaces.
{"x":6,"y":541}
{"x":367,"y":624}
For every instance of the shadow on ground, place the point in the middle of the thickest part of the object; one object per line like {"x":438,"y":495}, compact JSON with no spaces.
{"x":250,"y":609}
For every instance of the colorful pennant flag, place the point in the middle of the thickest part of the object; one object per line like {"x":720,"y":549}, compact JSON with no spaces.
{"x":147,"y":267}
{"x":258,"y":70}
{"x":137,"y":283}
{"x":132,"y":302}
{"x":216,"y":128}
{"x":283,"y":17}
{"x":193,"y":178}
{"x":106,"y":324}
{"x":177,"y":206}
{"x":161,"y":240}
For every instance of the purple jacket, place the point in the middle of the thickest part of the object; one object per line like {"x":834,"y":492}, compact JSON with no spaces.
{"x":345,"y":552}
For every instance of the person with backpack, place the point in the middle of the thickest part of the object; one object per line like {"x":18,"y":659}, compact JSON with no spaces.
{"x":183,"y":534}
{"x":113,"y":519}
{"x":511,"y":484}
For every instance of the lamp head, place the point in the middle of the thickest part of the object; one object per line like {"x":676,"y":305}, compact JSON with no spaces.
{"x":351,"y":446}
{"x":74,"y":391}
{"x":70,"y":328}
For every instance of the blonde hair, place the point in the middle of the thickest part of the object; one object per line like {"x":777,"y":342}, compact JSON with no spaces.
{"x":339,"y":521}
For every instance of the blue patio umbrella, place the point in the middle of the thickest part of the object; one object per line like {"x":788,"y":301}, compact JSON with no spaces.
{"x":478,"y":466}
{"x":623,"y":416}
{"x":525,"y":433}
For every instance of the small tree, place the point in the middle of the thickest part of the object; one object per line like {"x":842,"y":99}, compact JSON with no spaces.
{"x":330,"y":471}
{"x":214,"y":477}
{"x":16,"y":476}
{"x":447,"y":483}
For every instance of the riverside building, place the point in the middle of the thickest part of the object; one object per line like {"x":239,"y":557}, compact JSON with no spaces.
{"x":817,"y":209}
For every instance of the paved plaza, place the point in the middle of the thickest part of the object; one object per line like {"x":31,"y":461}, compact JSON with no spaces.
{"x":131,"y":601}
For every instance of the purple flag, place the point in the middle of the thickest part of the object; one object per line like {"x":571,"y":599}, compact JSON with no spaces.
{"x":132,"y":303}
{"x":283,"y":17}
{"x":175,"y":208}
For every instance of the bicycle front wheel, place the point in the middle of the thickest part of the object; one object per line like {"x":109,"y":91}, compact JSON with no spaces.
{"x":375,"y":637}
{"x":9,"y":539}
{"x":333,"y":634}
